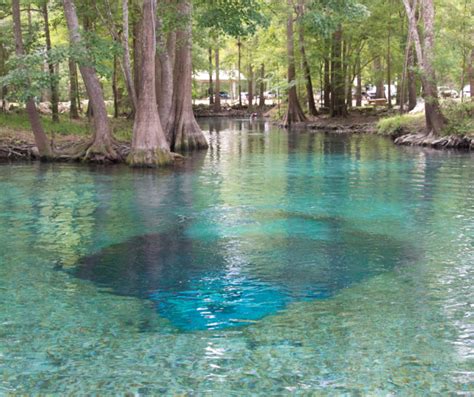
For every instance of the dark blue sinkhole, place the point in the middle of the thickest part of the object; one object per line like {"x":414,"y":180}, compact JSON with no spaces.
{"x":218,"y":283}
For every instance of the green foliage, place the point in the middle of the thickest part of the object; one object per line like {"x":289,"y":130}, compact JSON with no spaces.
{"x":324,"y":16}
{"x":460,"y":118}
{"x":96,"y":51}
{"x":234,"y":18}
{"x":27,"y":74}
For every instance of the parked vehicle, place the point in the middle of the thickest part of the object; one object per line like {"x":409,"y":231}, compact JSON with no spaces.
{"x":372,"y":91}
{"x":270,"y":94}
{"x":467,"y":91}
{"x":446,"y":92}
{"x":224,"y":95}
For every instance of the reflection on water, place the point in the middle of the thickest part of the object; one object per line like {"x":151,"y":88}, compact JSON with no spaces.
{"x":253,"y":232}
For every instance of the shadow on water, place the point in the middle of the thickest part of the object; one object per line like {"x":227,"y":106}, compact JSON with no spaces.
{"x":227,"y":282}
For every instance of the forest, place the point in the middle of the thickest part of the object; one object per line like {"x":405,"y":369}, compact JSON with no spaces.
{"x":121,"y":75}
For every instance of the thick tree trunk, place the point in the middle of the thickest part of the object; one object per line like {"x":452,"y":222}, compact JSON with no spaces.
{"x":378,"y":70}
{"x":211,"y":84}
{"x":44,"y":148}
{"x":149,"y":145}
{"x":217,"y":100}
{"x":183,"y":132}
{"x":165,"y":93}
{"x":294,"y":113}
{"x":262,"y":87}
{"x":338,"y":100}
{"x":306,"y":69}
{"x":101,"y":148}
{"x":73,"y":95}
{"x":52,"y":74}
{"x":411,"y":80}
{"x":435,"y":120}
{"x":126,"y":63}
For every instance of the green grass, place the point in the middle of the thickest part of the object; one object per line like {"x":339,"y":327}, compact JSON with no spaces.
{"x":122,"y":128}
{"x":401,"y":124}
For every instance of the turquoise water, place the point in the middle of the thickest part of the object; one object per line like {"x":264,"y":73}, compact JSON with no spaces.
{"x":273,"y":264}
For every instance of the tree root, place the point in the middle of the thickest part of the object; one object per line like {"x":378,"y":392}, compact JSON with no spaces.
{"x":149,"y":158}
{"x":81,"y":152}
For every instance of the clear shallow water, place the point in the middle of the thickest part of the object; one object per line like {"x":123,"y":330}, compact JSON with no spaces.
{"x":273,"y":264}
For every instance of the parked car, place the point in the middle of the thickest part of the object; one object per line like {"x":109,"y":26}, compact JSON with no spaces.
{"x":270,"y":94}
{"x":467,"y":91}
{"x":372,"y":91}
{"x":224,"y":95}
{"x":446,"y":92}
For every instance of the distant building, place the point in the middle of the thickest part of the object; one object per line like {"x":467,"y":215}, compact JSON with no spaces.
{"x":229,"y":81}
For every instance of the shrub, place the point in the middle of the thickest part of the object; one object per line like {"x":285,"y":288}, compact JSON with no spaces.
{"x":460,"y":118}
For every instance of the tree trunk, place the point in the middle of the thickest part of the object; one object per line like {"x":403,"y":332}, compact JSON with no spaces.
{"x":149,"y":145}
{"x":338,"y":100}
{"x":262,"y":87}
{"x":41,"y":140}
{"x":165,"y":93}
{"x":73,"y":109}
{"x":217,"y":100}
{"x":183,"y":131}
{"x":126,"y":63}
{"x":136,"y":56}
{"x":306,"y":69}
{"x":327,"y":82}
{"x":3,"y":89}
{"x":411,"y":80}
{"x":52,"y":74}
{"x":378,"y":70}
{"x":101,"y":148}
{"x":211,"y":86}
{"x":239,"y":67}
{"x":470,"y":72}
{"x":294,"y":113}
{"x":435,"y":120}
{"x":389,"y":70}
{"x":250,"y":87}
{"x":115,"y":88}
{"x":359,"y":82}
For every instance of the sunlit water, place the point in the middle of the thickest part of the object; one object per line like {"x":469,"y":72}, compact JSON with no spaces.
{"x":276,"y":263}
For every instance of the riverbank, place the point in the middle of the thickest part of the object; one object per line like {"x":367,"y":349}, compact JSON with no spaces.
{"x":17,"y":143}
{"x":410,"y":129}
